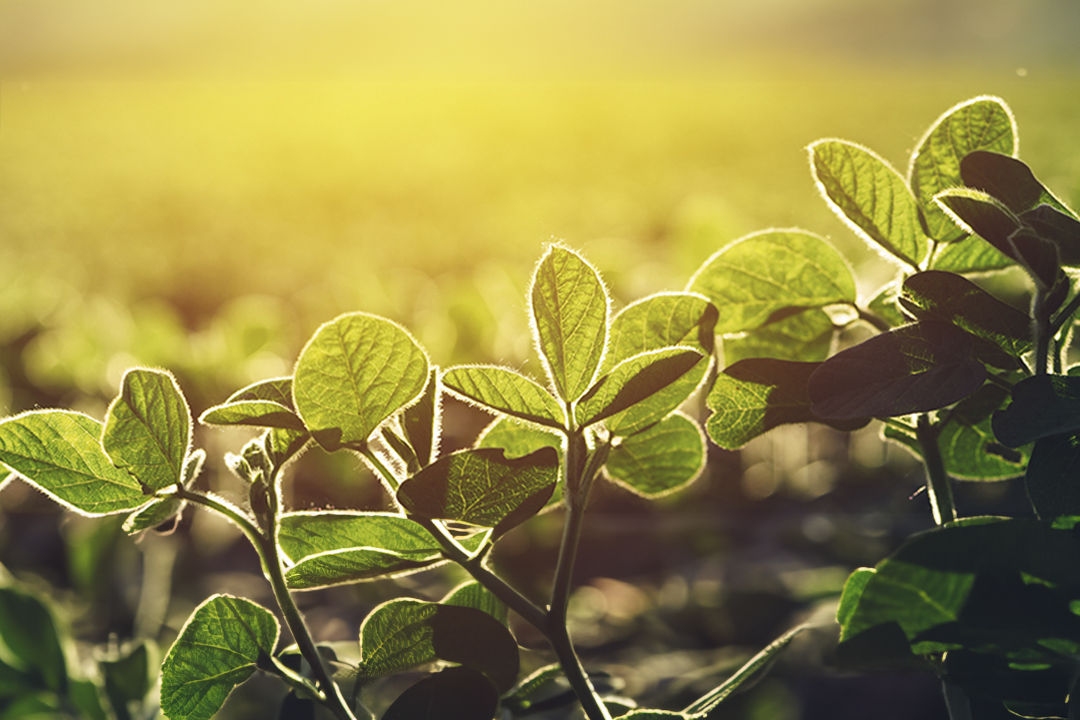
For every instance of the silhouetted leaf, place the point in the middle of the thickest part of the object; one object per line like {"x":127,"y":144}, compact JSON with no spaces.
{"x":421,"y":420}
{"x":914,"y":368}
{"x":472,"y":594}
{"x":217,"y":649}
{"x":1008,"y":179}
{"x":759,"y":274}
{"x":982,"y":123}
{"x":355,"y":372}
{"x":804,"y":336}
{"x":660,"y":460}
{"x":456,"y":693}
{"x":1042,"y":405}
{"x":483,"y":487}
{"x":755,"y":395}
{"x":661,"y":321}
{"x":870,"y":196}
{"x":983,"y":215}
{"x":569,"y":313}
{"x":1061,"y":229}
{"x":1052,"y":476}
{"x":506,"y":391}
{"x":59,"y":452}
{"x":148,"y":428}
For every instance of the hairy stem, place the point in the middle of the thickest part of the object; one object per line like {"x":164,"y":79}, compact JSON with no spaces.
{"x":1043,"y":331}
{"x":938,"y":486}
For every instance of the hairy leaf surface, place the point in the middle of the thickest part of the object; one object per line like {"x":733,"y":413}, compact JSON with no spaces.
{"x":516,"y":438}
{"x":506,"y":391}
{"x":216,"y":650}
{"x":765,"y":272}
{"x":59,"y":452}
{"x":148,"y":428}
{"x":569,"y":313}
{"x":982,"y":123}
{"x":871,"y":196}
{"x":660,"y":321}
{"x":267,"y":403}
{"x":660,"y":460}
{"x":158,"y":511}
{"x":970,"y":255}
{"x":472,"y":594}
{"x":355,"y":372}
{"x":805,"y":336}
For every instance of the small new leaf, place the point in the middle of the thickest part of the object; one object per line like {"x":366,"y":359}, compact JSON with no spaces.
{"x":59,"y":452}
{"x":871,"y":197}
{"x":354,"y":373}
{"x":506,"y":391}
{"x":569,"y":314}
{"x":768,"y":271}
{"x":148,"y":428}
{"x":217,"y":649}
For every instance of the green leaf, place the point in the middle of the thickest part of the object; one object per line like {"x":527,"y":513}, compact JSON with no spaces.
{"x":768,"y":271}
{"x":1058,"y":228}
{"x":128,"y":676}
{"x":158,"y":511}
{"x":1041,"y":406}
{"x":456,"y":693}
{"x":804,"y":336}
{"x":660,"y":321}
{"x":569,"y":314}
{"x":59,"y":452}
{"x":217,"y":649}
{"x":755,"y":395}
{"x":355,"y":372}
{"x":914,"y":368}
{"x":332,"y":548}
{"x":885,"y":304}
{"x":267,"y":403}
{"x":30,"y":641}
{"x":870,"y":196}
{"x":472,"y":594}
{"x":665,"y":458}
{"x":968,"y":446}
{"x":516,"y":438}
{"x":639,"y":385}
{"x":403,"y":634}
{"x":1008,"y":179}
{"x":482,"y":487}
{"x":506,"y":391}
{"x":981,"y":214}
{"x":646,"y":714}
{"x":982,"y":123}
{"x":939,"y":295}
{"x":970,"y":255}
{"x":422,"y":420}
{"x":853,"y":590}
{"x":148,"y":428}
{"x":1051,"y":476}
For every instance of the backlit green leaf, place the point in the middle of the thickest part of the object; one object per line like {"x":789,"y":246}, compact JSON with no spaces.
{"x":806,"y":336}
{"x":158,"y":511}
{"x":31,"y":640}
{"x":217,"y":649}
{"x":355,"y":372}
{"x":474,"y":595}
{"x":517,"y":438}
{"x":885,"y":304}
{"x":757,"y":394}
{"x":638,"y":385}
{"x":148,"y":428}
{"x":970,"y":255}
{"x":1041,"y":406}
{"x":456,"y":693}
{"x":660,"y":321}
{"x":868,"y":194}
{"x":569,"y":313}
{"x":1051,"y":476}
{"x":483,"y":487}
{"x":506,"y":391}
{"x":757,"y":275}
{"x":267,"y":403}
{"x":402,"y":634}
{"x":660,"y":460}
{"x":949,"y":297}
{"x":968,"y":446}
{"x":914,"y":368}
{"x":59,"y":452}
{"x":982,"y":123}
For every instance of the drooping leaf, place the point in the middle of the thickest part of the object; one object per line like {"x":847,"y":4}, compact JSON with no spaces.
{"x":505,"y":391}
{"x":755,"y":395}
{"x":1051,"y":477}
{"x":870,"y":196}
{"x":660,"y":321}
{"x":517,"y":438}
{"x":472,"y":594}
{"x":914,"y":368}
{"x":404,"y":633}
{"x":1041,"y":406}
{"x":422,"y":420}
{"x":660,"y":460}
{"x":638,"y":385}
{"x":483,"y":487}
{"x":939,"y":295}
{"x":976,"y":212}
{"x":569,"y":312}
{"x":267,"y":403}
{"x":1008,"y":179}
{"x":59,"y":452}
{"x":332,"y":548}
{"x":354,"y":373}
{"x":972,"y":254}
{"x":156,"y":512}
{"x":765,"y":272}
{"x":804,"y":336}
{"x":456,"y":693}
{"x":982,"y":123}
{"x":148,"y":428}
{"x":32,"y":640}
{"x":217,"y":649}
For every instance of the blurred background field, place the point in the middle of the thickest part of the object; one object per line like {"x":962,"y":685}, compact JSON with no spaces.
{"x":198,"y":186}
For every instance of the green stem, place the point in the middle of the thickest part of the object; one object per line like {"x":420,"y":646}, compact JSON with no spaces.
{"x":1066,"y":314}
{"x":1044,"y":332}
{"x":938,"y":486}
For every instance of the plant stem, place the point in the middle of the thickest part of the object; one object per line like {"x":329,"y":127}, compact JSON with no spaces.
{"x":1065,"y":314}
{"x":1044,"y":331}
{"x":869,"y":317}
{"x":938,"y":486}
